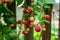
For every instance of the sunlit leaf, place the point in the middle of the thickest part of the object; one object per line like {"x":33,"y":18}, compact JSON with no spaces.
{"x":49,"y":1}
{"x":40,"y":15}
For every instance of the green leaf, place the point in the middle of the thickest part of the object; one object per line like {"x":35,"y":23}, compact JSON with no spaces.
{"x":19,"y":2}
{"x":0,"y":25}
{"x":0,"y":8}
{"x":41,"y":2}
{"x":13,"y":34}
{"x":40,"y":15}
{"x":46,"y":21}
{"x":46,"y":6}
{"x":35,"y":1}
{"x":42,"y":20}
{"x":6,"y":29}
{"x":1,"y":37}
{"x":49,"y":1}
{"x":25,"y":15}
{"x":11,"y":20}
{"x":6,"y":37}
{"x":35,"y":8}
{"x":44,"y":3}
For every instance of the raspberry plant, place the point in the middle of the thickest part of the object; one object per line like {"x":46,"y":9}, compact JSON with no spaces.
{"x":40,"y":10}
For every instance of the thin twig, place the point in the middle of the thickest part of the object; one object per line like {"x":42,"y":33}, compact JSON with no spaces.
{"x":19,"y":33}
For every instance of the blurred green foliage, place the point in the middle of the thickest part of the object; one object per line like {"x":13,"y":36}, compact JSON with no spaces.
{"x":6,"y":31}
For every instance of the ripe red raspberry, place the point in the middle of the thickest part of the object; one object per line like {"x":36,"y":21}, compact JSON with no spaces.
{"x":30,"y":10}
{"x":26,"y":23}
{"x":37,"y":28}
{"x":24,"y":32}
{"x":47,"y":17}
{"x":24,"y":11}
{"x":19,"y":21}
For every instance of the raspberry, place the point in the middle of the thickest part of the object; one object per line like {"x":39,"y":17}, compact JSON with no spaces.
{"x":25,"y":11}
{"x":47,"y":17}
{"x":37,"y":29}
{"x":30,"y":10}
{"x":24,"y":32}
{"x":26,"y":23}
{"x":19,"y":21}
